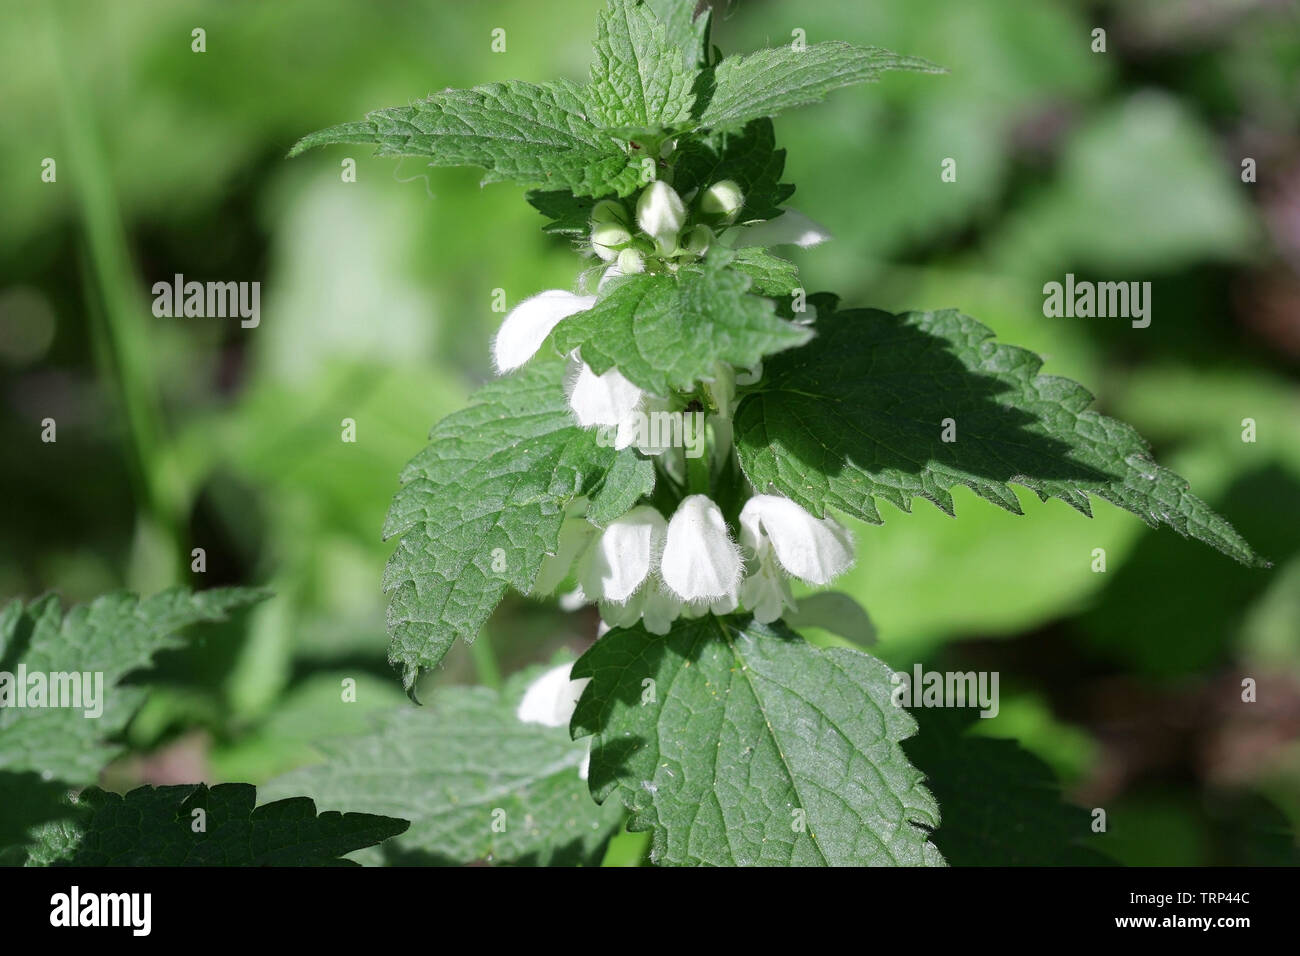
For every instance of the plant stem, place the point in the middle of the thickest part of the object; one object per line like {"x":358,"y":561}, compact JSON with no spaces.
{"x":485,"y":661}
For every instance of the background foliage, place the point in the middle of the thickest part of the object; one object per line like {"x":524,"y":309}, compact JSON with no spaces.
{"x":182,"y":433}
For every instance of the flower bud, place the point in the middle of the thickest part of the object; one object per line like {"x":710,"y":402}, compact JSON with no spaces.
{"x":631,"y":262}
{"x":607,"y":238}
{"x":661,"y":213}
{"x":724,"y":199}
{"x":696,"y":241}
{"x":610,"y":210}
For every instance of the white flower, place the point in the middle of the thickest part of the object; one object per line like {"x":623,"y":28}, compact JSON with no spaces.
{"x":653,"y":605}
{"x":659,"y":608}
{"x":723,"y":198}
{"x":621,"y":558}
{"x":608,"y":399}
{"x":700,"y":562}
{"x":790,"y":228}
{"x":529,"y":323}
{"x":551,"y":699}
{"x":766,"y":591}
{"x":815,"y":550}
{"x":661,"y":214}
{"x":622,"y":615}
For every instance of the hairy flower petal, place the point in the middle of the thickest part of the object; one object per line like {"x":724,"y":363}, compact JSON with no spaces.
{"x":700,"y":562}
{"x":551,"y":698}
{"x":608,"y":399}
{"x":812,"y":549}
{"x":621,"y":558}
{"x":529,"y":323}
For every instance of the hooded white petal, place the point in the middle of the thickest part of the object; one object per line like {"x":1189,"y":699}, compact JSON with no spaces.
{"x":620,"y":560}
{"x":607,"y":399}
{"x":700,"y":562}
{"x":551,"y":698}
{"x":529,"y":323}
{"x":790,"y":228}
{"x":814,"y":550}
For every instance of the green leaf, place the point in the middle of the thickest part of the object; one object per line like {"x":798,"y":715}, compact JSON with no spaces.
{"x":770,"y":275}
{"x":753,"y":747}
{"x":665,"y":332}
{"x":748,"y":157}
{"x":481,"y":507}
{"x":859,"y":414}
{"x":449,"y":766}
{"x":763,"y":84}
{"x":1002,"y":806}
{"x":638,"y":79}
{"x":536,"y":135}
{"x":630,"y":477}
{"x":156,"y":827}
{"x":570,"y":214}
{"x":683,"y":28}
{"x":114,"y":635}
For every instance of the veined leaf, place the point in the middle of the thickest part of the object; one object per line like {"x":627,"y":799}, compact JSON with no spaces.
{"x":481,"y":507}
{"x":638,"y":79}
{"x":156,"y":827}
{"x":862,"y":411}
{"x":742,"y":744}
{"x":536,"y":135}
{"x":112,"y":636}
{"x":683,"y":29}
{"x":475,"y":782}
{"x":664,"y":332}
{"x":763,"y":84}
{"x":1002,"y":806}
{"x":570,"y":215}
{"x":770,"y":275}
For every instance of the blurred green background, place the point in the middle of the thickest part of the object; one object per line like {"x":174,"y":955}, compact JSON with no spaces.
{"x":178,"y":433}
